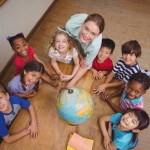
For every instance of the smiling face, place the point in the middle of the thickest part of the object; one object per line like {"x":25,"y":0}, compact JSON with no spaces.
{"x":4,"y":102}
{"x":129,"y":59}
{"x":134,"y":90}
{"x":103,"y":54}
{"x":61,"y":43}
{"x":129,"y":121}
{"x":89,"y":31}
{"x":20,"y":46}
{"x":31,"y":77}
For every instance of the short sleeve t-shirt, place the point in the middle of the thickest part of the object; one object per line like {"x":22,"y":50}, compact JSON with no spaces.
{"x":15,"y":86}
{"x":72,"y":54}
{"x":6,"y":119}
{"x":20,"y":63}
{"x":126,"y":103}
{"x":121,"y":139}
{"x":123,"y":71}
{"x":107,"y":65}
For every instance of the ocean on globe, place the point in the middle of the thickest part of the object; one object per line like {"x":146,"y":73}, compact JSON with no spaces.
{"x":74,"y":105}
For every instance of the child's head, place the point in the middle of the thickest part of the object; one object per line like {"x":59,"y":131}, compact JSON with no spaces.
{"x":137,"y":85}
{"x":19,"y":44}
{"x":130,"y":51}
{"x":91,"y":28}
{"x":106,"y":50}
{"x":4,"y":99}
{"x":31,"y":72}
{"x":135,"y":120}
{"x":62,"y":42}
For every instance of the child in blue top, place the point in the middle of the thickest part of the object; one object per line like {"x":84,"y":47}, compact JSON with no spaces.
{"x":27,"y":82}
{"x":9,"y":108}
{"x":125,"y":129}
{"x":87,"y":30}
{"x":131,"y":94}
{"x":124,"y":68}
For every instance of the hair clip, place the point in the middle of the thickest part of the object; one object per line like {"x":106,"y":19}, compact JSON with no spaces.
{"x":8,"y":37}
{"x":21,"y":33}
{"x":64,"y":31}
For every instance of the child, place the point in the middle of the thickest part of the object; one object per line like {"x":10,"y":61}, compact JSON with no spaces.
{"x":25,"y":53}
{"x":132,"y":94}
{"x":27,"y":82}
{"x":87,"y":31}
{"x":102,"y":64}
{"x":62,"y":50}
{"x":125,"y":129}
{"x":9,"y":108}
{"x":124,"y":68}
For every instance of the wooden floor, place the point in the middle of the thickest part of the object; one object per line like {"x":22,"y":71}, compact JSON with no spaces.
{"x":125,"y":20}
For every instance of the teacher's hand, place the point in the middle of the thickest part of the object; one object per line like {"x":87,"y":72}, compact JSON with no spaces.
{"x":83,"y":63}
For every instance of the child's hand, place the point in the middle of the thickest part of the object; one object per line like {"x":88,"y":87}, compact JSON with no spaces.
{"x":54,"y":77}
{"x":95,"y":74}
{"x":100,"y":74}
{"x":61,"y":76}
{"x":31,"y":94}
{"x":66,"y":78}
{"x":107,"y":142}
{"x":110,"y":130}
{"x":106,"y":97}
{"x":100,"y":89}
{"x":33,"y":128}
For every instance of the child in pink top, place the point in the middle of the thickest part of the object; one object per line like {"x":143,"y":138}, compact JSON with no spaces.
{"x":102,"y":64}
{"x":24,"y":54}
{"x":131,"y":96}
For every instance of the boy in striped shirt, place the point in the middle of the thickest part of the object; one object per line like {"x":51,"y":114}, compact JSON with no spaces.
{"x":124,"y":68}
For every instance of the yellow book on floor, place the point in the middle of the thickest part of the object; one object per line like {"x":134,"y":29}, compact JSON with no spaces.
{"x":78,"y":142}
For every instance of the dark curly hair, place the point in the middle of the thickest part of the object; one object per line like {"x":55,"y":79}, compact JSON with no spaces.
{"x":12,"y":38}
{"x":141,"y":78}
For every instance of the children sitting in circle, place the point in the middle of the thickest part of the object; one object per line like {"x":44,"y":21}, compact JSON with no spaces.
{"x":25,"y":53}
{"x":102,"y":64}
{"x":125,"y":129}
{"x":124,"y":68}
{"x":27,"y":82}
{"x":9,"y":108}
{"x":87,"y":30}
{"x":132,"y":94}
{"x":62,"y":50}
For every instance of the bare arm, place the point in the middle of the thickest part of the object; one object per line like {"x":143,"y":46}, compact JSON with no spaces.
{"x":107,"y":139}
{"x":76,"y":66}
{"x":114,"y":106}
{"x":45,"y":67}
{"x":16,"y":136}
{"x":33,"y":126}
{"x":95,"y":74}
{"x":104,"y":86}
{"x":77,"y":76}
{"x":109,"y":77}
{"x":28,"y":94}
{"x":55,"y":66}
{"x":117,"y":93}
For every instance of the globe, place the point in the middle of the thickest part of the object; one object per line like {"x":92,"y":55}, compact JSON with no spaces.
{"x":74,"y":105}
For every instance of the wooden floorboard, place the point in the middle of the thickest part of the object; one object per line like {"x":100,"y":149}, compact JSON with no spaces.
{"x":125,"y":20}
